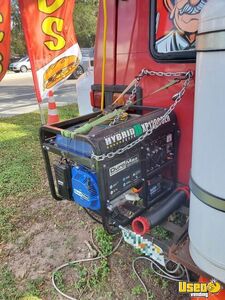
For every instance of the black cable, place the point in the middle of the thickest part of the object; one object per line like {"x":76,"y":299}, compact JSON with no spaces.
{"x":92,"y":216}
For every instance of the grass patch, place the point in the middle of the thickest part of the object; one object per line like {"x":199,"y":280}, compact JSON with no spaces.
{"x":161,"y":282}
{"x":20,"y":159}
{"x":104,"y":241}
{"x":6,"y":226}
{"x":137,"y":290}
{"x":151,"y":295}
{"x":34,"y":287}
{"x":91,"y":278}
{"x":22,"y":170}
{"x":8,"y":289}
{"x":21,"y":164}
{"x":99,"y":272}
{"x":59,"y":280}
{"x":68,"y":111}
{"x":160,"y":233}
{"x":86,"y":278}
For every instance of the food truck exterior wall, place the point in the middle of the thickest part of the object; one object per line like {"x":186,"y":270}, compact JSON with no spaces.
{"x":129,"y":39}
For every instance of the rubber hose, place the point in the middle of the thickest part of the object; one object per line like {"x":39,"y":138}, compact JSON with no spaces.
{"x":153,"y":217}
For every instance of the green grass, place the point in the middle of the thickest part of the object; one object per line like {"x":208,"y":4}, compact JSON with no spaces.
{"x":104,"y":241}
{"x":8,"y":289}
{"x":99,"y":275}
{"x":82,"y":282}
{"x":96,"y":276}
{"x":34,"y":287}
{"x":22,"y":172}
{"x":160,"y":233}
{"x":151,"y":295}
{"x":6,"y":226}
{"x":90,"y":277}
{"x":68,"y":112}
{"x":59,"y":280}
{"x":137,"y":290}
{"x":20,"y":158}
{"x":161,"y":282}
{"x":21,"y":164}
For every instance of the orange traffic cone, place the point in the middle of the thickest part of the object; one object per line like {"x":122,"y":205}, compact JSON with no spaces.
{"x":53,"y":116}
{"x":212,"y":296}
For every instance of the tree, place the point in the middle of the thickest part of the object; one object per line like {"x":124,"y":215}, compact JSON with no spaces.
{"x":85,"y":19}
{"x":18,"y":46}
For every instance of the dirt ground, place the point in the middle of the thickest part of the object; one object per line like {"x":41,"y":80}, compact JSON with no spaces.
{"x":50,"y":233}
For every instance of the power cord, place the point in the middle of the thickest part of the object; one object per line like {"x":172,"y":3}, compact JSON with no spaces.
{"x":101,"y":256}
{"x":167,"y":272}
{"x":164,"y":273}
{"x":92,"y":216}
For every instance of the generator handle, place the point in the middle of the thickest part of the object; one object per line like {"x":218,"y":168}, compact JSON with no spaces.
{"x":52,"y":129}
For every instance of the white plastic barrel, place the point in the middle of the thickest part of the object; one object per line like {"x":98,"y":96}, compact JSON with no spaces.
{"x":207,"y":207}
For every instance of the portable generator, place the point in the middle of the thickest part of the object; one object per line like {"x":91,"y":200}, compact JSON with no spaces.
{"x":111,"y":171}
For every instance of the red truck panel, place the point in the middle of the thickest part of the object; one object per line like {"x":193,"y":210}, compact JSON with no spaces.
{"x":111,"y":43}
{"x":133,"y":54}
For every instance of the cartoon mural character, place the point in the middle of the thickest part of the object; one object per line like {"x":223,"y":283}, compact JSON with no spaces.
{"x":185,"y":15}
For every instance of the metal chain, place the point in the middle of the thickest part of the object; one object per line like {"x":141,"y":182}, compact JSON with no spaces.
{"x":143,"y":73}
{"x":176,"y":98}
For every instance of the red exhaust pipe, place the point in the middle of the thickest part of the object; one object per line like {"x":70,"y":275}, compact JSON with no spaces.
{"x":141,"y":225}
{"x":161,"y":211}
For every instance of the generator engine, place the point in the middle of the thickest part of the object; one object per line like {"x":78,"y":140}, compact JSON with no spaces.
{"x":117,"y":171}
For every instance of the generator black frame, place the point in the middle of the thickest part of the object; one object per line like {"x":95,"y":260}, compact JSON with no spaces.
{"x":47,"y":135}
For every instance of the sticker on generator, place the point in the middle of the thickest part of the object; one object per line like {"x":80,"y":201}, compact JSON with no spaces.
{"x":123,"y":165}
{"x":145,"y":246}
